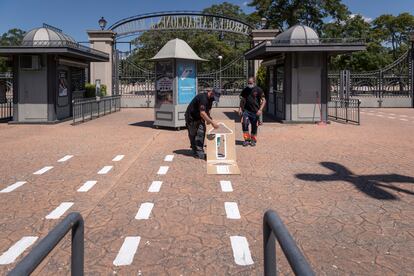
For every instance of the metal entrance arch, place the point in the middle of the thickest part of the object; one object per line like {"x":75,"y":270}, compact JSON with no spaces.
{"x":136,"y":84}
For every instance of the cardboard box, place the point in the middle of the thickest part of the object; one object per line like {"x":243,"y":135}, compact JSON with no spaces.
{"x":221,"y":149}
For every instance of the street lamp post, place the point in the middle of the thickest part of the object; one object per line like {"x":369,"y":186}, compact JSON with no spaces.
{"x":220,"y":58}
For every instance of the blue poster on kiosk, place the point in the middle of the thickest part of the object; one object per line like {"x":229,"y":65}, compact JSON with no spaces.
{"x":186,"y":81}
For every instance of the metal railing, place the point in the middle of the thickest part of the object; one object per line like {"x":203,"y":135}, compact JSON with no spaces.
{"x":84,"y":110}
{"x":74,"y":222}
{"x":272,"y":224}
{"x":347,"y":110}
{"x":6,"y":109}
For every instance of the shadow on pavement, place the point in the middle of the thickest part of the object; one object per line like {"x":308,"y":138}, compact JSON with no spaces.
{"x":185,"y":152}
{"x":371,"y":185}
{"x":149,"y":124}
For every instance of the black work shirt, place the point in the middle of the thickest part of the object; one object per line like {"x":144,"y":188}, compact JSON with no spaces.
{"x":201,"y":102}
{"x":252,"y":98}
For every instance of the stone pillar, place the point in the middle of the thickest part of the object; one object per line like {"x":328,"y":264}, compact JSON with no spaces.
{"x":102,"y":41}
{"x":258,"y":36}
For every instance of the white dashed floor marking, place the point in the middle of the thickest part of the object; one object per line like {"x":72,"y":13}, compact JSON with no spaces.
{"x":16,"y":250}
{"x":392,"y":118}
{"x":169,"y":158}
{"x":60,"y":210}
{"x":405,"y":120}
{"x":163,"y":170}
{"x":43,"y":170}
{"x":87,"y":186}
{"x":13,"y":187}
{"x":144,"y":211}
{"x":127,"y":252}
{"x":232,"y":210}
{"x":241,"y":251}
{"x":105,"y":170}
{"x":65,"y":158}
{"x":226,"y":186}
{"x":118,"y":158}
{"x":155,"y":187}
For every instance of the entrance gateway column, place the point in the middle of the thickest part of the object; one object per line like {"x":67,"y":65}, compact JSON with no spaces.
{"x":102,"y":41}
{"x":258,"y":36}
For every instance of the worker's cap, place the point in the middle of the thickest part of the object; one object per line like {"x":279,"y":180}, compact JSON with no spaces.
{"x":217,"y":94}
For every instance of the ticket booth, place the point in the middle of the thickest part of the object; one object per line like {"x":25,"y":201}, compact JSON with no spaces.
{"x":49,"y":71}
{"x":175,"y":84}
{"x":297,"y":72}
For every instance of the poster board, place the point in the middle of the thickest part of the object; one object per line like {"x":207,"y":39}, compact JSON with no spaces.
{"x":221,"y":148}
{"x":187,"y":83}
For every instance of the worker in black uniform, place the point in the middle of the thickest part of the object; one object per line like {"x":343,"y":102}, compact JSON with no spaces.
{"x":252,"y":103}
{"x":196,"y":118}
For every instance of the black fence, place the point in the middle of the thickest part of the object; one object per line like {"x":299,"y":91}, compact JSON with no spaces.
{"x":6,"y":110}
{"x":345,"y":110}
{"x":72,"y":221}
{"x":88,"y":109}
{"x":272,"y":224}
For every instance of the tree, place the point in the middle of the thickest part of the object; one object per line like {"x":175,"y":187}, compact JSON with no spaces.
{"x":207,"y":44}
{"x":10,"y":38}
{"x":283,"y":14}
{"x":394,"y":30}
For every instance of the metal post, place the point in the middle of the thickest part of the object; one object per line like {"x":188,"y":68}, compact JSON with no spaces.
{"x":269,"y":250}
{"x":77,"y":249}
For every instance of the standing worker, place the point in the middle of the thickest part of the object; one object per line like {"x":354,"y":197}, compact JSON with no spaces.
{"x":196,"y":118}
{"x":252,"y":102}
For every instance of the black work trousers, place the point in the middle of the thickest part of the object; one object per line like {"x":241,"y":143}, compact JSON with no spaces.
{"x":196,"y":133}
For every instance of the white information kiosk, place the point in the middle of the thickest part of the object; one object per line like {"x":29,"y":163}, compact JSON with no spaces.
{"x":175,"y":83}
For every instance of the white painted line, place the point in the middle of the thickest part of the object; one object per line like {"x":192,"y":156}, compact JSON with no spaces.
{"x":87,"y":186}
{"x":392,"y":114}
{"x":379,"y":115}
{"x":155,"y":187}
{"x":42,"y":171}
{"x":232,"y":210}
{"x":127,"y":252}
{"x":118,"y":158}
{"x":392,"y":118}
{"x":241,"y":251}
{"x":65,"y":158}
{"x":105,"y":170}
{"x":403,"y":115}
{"x":223,"y":169}
{"x":13,"y":187}
{"x":226,"y":186}
{"x":16,"y":250}
{"x":405,"y":120}
{"x":144,"y":211}
{"x":163,"y":170}
{"x":60,"y":210}
{"x":169,"y":158}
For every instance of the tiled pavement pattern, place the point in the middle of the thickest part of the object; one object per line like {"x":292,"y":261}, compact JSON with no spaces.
{"x":345,"y":192}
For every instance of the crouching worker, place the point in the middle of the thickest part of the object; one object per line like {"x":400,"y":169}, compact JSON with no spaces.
{"x":196,"y":118}
{"x":252,"y":102}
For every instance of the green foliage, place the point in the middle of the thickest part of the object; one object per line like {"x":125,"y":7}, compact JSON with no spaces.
{"x":207,"y":44}
{"x":283,"y":14}
{"x":10,"y":38}
{"x":90,"y":89}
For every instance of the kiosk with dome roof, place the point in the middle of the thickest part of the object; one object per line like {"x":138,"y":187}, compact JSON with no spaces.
{"x":49,"y":71}
{"x":297,"y":66}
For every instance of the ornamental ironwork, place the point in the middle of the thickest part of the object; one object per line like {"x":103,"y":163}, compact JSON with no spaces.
{"x":179,"y":20}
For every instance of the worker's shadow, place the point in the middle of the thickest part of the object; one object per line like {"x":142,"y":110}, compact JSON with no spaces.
{"x":185,"y":152}
{"x":372,"y":185}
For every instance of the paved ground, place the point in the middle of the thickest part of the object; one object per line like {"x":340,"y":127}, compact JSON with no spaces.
{"x":345,"y":192}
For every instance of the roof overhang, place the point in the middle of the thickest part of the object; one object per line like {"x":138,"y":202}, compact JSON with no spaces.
{"x":267,"y":49}
{"x":63,"y":51}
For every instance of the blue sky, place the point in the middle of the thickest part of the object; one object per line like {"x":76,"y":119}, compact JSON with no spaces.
{"x":77,"y":16}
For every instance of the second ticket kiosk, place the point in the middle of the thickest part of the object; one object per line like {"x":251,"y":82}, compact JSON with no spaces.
{"x":175,"y":82}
